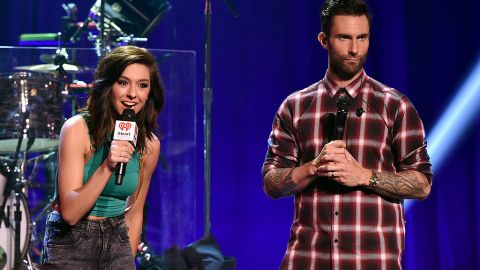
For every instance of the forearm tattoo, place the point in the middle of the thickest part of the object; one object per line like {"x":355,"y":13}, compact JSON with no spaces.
{"x":279,"y":183}
{"x":402,"y":185}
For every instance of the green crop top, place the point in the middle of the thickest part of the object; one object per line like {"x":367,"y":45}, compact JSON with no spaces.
{"x":113,"y":199}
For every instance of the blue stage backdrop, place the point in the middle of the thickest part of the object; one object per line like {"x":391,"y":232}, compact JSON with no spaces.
{"x":425,"y":49}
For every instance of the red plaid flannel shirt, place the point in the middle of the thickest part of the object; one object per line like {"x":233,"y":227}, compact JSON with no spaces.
{"x":336,"y":227}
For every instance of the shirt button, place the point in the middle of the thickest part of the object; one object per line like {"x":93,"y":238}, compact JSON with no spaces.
{"x":335,"y":241}
{"x":337,"y":213}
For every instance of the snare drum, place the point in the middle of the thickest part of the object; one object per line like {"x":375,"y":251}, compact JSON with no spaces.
{"x":7,"y":233}
{"x":33,"y":98}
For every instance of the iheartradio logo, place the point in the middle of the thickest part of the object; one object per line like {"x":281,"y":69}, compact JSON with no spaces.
{"x":125,"y":131}
{"x":124,"y":126}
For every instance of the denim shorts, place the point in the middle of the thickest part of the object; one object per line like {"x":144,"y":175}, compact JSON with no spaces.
{"x":89,"y":244}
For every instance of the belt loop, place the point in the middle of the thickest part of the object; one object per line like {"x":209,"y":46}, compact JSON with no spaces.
{"x":89,"y":226}
{"x":113,"y":222}
{"x":117,"y":221}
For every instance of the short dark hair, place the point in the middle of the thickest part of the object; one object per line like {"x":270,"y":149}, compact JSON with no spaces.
{"x":99,"y":104}
{"x":333,"y":8}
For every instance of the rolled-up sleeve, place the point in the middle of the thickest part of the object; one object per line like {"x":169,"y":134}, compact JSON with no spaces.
{"x":409,"y":142}
{"x":281,"y":154}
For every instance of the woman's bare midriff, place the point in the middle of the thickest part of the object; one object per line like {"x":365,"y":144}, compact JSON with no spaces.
{"x":56,"y":208}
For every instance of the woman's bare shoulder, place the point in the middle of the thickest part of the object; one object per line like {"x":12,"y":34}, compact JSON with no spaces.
{"x":76,"y":122}
{"x":75,"y":132}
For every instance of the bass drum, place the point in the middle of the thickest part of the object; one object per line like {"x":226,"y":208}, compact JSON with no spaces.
{"x":36,"y":100}
{"x":7,"y":226}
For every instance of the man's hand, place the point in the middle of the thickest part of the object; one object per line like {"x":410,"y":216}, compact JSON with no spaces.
{"x":332,"y":148}
{"x":336,"y":163}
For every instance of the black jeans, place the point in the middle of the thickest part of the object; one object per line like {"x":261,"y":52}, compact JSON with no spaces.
{"x":99,"y":244}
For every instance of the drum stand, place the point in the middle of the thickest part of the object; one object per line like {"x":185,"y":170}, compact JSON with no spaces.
{"x":15,"y":184}
{"x":40,"y":211}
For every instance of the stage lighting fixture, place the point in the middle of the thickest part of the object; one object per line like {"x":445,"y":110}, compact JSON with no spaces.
{"x":135,"y":18}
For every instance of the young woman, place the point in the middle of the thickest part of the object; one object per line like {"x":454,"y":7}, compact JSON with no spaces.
{"x":96,"y":224}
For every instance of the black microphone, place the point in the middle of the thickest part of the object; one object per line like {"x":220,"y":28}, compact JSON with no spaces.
{"x":344,"y":102}
{"x":125,"y":130}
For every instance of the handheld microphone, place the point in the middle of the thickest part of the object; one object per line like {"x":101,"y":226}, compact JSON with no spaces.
{"x":344,"y":102}
{"x":125,"y":130}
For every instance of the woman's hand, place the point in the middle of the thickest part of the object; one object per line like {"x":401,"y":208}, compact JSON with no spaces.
{"x":120,"y":151}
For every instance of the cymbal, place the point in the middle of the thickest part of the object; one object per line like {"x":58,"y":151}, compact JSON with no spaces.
{"x":51,"y":68}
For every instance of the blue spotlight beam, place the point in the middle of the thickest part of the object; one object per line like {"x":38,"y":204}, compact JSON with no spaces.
{"x":454,"y":120}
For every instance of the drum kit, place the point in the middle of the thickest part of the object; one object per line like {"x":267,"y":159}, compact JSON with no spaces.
{"x":32,"y":103}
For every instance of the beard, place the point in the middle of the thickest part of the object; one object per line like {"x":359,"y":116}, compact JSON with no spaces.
{"x":342,"y":68}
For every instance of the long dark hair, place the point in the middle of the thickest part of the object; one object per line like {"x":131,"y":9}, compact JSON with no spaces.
{"x":99,"y":104}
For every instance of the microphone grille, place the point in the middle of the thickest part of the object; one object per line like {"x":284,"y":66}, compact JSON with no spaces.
{"x":344,"y":101}
{"x":128,"y":114}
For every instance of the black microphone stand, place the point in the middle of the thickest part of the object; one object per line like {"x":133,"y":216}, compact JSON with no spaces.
{"x":18,"y":221}
{"x":208,"y":239}
{"x":103,"y":44}
{"x":205,"y":250}
{"x":207,"y":119}
{"x":18,"y":190}
{"x":207,"y":112}
{"x":15,"y":184}
{"x":76,"y":35}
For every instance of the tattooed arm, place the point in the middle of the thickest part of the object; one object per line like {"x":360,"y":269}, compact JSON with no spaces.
{"x":407,"y":184}
{"x":344,"y":169}
{"x":403,"y":185}
{"x":282,"y":182}
{"x":409,"y":148}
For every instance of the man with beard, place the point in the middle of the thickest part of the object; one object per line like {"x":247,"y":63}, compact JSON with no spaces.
{"x":349,"y":191}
